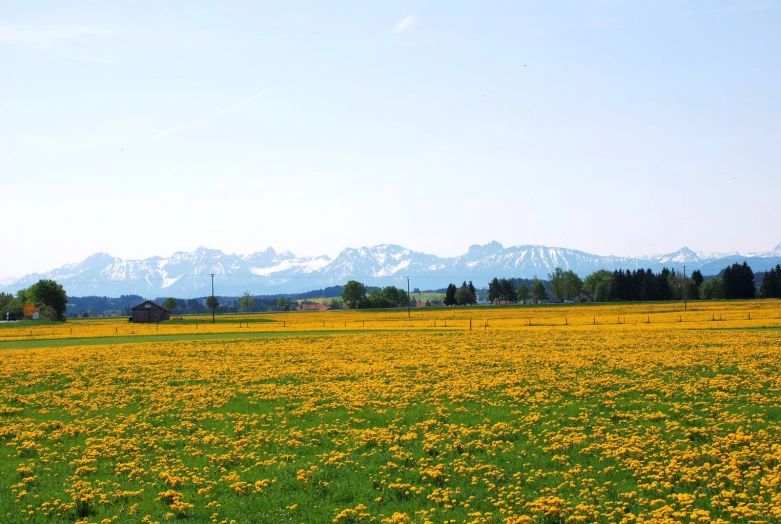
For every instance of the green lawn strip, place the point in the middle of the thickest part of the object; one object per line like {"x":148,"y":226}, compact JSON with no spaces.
{"x":758,"y":328}
{"x":143,"y":339}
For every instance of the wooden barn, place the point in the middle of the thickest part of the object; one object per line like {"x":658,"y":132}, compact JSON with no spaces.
{"x":150,"y":311}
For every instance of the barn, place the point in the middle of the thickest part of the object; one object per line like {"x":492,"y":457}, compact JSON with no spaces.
{"x":149,"y":311}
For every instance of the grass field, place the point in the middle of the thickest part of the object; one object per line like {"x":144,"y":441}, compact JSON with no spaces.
{"x":422,"y":297}
{"x":617,"y":413}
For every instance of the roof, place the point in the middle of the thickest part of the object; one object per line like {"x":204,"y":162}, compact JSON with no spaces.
{"x":314,"y":307}
{"x":155,"y":305}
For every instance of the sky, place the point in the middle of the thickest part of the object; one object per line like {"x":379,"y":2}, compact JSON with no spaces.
{"x":611,"y":126}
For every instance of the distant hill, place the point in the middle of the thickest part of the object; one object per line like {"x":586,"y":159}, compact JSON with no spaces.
{"x":186,"y":274}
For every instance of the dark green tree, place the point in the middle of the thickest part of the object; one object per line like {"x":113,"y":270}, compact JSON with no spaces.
{"x":712,"y":289}
{"x":538,"y":291}
{"x":212,"y":302}
{"x":494,"y":290}
{"x":282,"y":303}
{"x":565,"y":285}
{"x":450,"y":295}
{"x":170,"y":303}
{"x":246,"y":301}
{"x":395,"y":297}
{"x":51,"y":299}
{"x":771,"y":283}
{"x":353,"y":294}
{"x":5,"y":303}
{"x":376,"y":299}
{"x":738,"y":280}
{"x":597,"y":285}
{"x":697,"y":277}
{"x":523,"y":292}
{"x":508,"y":290}
{"x":465,"y":295}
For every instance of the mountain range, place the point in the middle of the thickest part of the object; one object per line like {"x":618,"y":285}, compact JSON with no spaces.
{"x":187,"y":274}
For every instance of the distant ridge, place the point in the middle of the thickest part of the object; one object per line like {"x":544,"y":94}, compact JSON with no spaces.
{"x":186,"y":274}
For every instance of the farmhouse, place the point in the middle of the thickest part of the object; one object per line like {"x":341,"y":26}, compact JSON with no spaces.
{"x":313,"y":307}
{"x":150,"y":311}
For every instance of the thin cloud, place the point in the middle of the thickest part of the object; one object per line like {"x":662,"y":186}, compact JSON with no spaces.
{"x":73,"y":42}
{"x":235,"y":107}
{"x":404,"y":24}
{"x":387,"y":189}
{"x":167,"y":132}
{"x":48,"y":36}
{"x":238,"y":105}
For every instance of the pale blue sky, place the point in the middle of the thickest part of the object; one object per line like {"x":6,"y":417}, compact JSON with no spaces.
{"x":616,"y":127}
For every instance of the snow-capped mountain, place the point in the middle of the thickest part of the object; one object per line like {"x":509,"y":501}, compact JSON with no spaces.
{"x":682,"y":256}
{"x":188,"y":274}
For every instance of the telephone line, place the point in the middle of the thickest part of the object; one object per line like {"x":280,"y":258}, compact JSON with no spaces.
{"x":269,"y":277}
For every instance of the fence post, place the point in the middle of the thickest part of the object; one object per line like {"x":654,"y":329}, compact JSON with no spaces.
{"x":470,"y":323}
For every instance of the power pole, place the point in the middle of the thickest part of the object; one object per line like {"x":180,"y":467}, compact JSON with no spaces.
{"x":408,"y":299}
{"x":684,"y":288}
{"x":212,"y":298}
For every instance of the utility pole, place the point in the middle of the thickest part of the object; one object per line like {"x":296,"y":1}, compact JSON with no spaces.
{"x":212,"y":298}
{"x":684,"y":288}
{"x":408,"y":299}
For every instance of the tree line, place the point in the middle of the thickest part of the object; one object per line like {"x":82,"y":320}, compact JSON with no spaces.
{"x":49,"y":298}
{"x":354,"y":295}
{"x":99,"y":306}
{"x":771,"y":283}
{"x":733,"y":282}
{"x":465,"y":295}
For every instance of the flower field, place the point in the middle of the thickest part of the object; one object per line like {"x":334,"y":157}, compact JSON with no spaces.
{"x":662,"y":315}
{"x":621,"y":413}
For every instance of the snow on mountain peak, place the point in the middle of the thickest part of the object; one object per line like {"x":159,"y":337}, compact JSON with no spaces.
{"x":186,"y":274}
{"x":490,"y":248}
{"x":683,"y":255}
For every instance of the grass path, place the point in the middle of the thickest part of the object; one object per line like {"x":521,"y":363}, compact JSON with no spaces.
{"x":143,"y":339}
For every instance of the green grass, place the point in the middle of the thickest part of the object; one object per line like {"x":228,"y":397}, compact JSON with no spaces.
{"x":207,"y":410}
{"x":219,"y":319}
{"x":422,"y":297}
{"x":26,"y":323}
{"x":146,"y":339}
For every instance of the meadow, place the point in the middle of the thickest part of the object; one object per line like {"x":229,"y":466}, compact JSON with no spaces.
{"x":591,"y":413}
